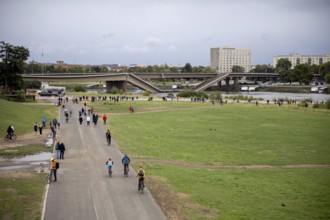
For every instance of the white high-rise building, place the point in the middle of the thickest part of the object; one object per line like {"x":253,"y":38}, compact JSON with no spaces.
{"x":224,"y":58}
{"x":296,"y":59}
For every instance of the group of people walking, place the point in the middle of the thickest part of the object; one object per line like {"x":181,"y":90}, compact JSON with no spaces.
{"x":60,"y":147}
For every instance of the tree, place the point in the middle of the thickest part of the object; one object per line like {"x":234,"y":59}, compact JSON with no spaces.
{"x":324,"y":71}
{"x":187,"y":68}
{"x":302,"y":73}
{"x":12,"y":64}
{"x":215,"y":96}
{"x":263,"y":69}
{"x":237,"y":69}
{"x":283,"y":68}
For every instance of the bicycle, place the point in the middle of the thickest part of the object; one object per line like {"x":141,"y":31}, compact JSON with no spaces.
{"x":126,"y":170}
{"x":109,"y":141}
{"x":110,"y":171}
{"x":13,"y":137}
{"x":49,"y":177}
{"x":141,"y":185}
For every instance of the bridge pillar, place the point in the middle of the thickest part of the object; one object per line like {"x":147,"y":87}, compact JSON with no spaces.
{"x":236,"y":81}
{"x":121,"y":85}
{"x":219,"y":84}
{"x":227,"y":81}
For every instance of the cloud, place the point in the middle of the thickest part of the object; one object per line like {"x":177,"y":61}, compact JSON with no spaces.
{"x":134,"y":49}
{"x":108,"y":35}
{"x":154,"y":41}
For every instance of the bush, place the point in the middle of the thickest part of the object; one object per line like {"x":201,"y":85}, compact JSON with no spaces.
{"x":114,"y":90}
{"x":146,"y":93}
{"x":79,"y":88}
{"x":187,"y":93}
{"x":327,"y":104}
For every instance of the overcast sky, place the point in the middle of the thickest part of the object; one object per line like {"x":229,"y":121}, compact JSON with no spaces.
{"x":163,"y":31}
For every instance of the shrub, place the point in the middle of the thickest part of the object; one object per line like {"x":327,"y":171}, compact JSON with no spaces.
{"x":79,"y":88}
{"x":114,"y":90}
{"x":327,"y":104}
{"x":146,"y":93}
{"x":186,"y":93}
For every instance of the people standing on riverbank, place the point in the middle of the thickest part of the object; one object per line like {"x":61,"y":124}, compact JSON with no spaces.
{"x":44,"y":120}
{"x":35,"y":128}
{"x":40,"y":128}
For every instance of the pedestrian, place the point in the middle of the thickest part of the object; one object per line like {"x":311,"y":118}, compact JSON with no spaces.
{"x":130,"y":109}
{"x":58,"y":125}
{"x":53,"y":131}
{"x":53,"y":167}
{"x":80,"y":120}
{"x":55,"y":122}
{"x":88,"y":120}
{"x":57,"y":149}
{"x":104,"y":119}
{"x":40,"y":129}
{"x":96,"y":119}
{"x":62,"y":149}
{"x":133,"y":109}
{"x":108,"y":136}
{"x":35,"y":128}
{"x":44,"y":120}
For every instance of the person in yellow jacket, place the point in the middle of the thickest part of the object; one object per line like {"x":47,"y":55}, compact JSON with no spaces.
{"x":53,"y":167}
{"x":141,"y":174}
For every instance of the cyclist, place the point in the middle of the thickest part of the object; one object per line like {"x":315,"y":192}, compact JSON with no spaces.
{"x":141,"y":175}
{"x":109,"y":163}
{"x":108,"y":136}
{"x":10,"y":131}
{"x":126,"y":162}
{"x":53,"y":167}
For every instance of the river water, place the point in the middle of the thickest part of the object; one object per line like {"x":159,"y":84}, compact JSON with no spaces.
{"x":316,"y":97}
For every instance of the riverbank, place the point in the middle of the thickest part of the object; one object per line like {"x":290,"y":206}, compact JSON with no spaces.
{"x":289,"y":89}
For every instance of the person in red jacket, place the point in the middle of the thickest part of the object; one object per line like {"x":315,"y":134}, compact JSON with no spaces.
{"x":104,"y":118}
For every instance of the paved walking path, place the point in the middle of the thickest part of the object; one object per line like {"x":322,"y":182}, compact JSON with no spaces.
{"x":84,"y":189}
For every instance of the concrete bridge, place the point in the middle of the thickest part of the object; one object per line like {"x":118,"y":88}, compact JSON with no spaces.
{"x":120,"y":80}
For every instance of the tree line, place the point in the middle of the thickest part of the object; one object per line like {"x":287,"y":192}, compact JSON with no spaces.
{"x":13,"y":64}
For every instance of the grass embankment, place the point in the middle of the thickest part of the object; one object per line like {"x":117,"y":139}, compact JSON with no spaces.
{"x":189,"y":146}
{"x":21,"y":192}
{"x":21,"y":195}
{"x":23,"y":115}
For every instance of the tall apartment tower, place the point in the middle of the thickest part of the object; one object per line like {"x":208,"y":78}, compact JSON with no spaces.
{"x":296,"y":59}
{"x":224,"y":58}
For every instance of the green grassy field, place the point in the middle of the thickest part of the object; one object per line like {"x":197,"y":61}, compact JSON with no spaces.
{"x":208,"y":144}
{"x":225,"y":162}
{"x":21,"y":193}
{"x":21,"y":196}
{"x":24,"y":115}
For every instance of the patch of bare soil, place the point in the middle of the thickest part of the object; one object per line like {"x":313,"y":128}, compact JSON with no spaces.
{"x":172,"y":203}
{"x":25,"y":139}
{"x":22,"y":140}
{"x":16,"y":174}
